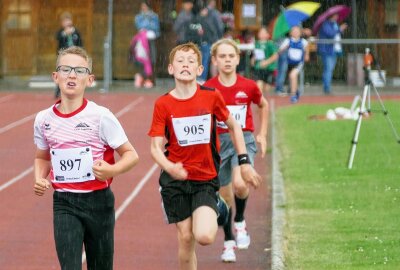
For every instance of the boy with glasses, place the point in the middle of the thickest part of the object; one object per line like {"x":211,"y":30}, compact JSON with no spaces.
{"x":76,"y":140}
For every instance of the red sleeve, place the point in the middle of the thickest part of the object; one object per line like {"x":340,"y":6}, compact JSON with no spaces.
{"x":257,"y":95}
{"x":220,"y":109}
{"x":158,"y":123}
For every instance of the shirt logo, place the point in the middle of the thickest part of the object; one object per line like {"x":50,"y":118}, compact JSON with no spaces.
{"x":83,"y":126}
{"x":47,"y":126}
{"x":241,"y":94}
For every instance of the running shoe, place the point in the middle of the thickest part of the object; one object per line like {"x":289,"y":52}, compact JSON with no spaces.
{"x":228,"y":255}
{"x":223,"y":210}
{"x":242,"y":236}
{"x":294,"y":99}
{"x":148,"y":84}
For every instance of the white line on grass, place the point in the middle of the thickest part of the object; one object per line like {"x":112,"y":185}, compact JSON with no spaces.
{"x":131,"y":196}
{"x":278,"y":201}
{"x":6,"y":98}
{"x":30,"y":169}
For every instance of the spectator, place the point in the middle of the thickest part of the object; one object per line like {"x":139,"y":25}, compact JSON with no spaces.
{"x":217,"y":18}
{"x":298,"y":53}
{"x":264,"y":48}
{"x":245,"y":37}
{"x":66,"y":37}
{"x":184,"y":18}
{"x":217,"y":21}
{"x":208,"y":35}
{"x":329,"y":52}
{"x":147,"y":21}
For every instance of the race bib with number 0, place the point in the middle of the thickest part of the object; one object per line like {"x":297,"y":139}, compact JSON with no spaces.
{"x":238,"y":112}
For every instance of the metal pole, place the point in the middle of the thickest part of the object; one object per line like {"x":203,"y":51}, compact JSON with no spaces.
{"x":354,"y":31}
{"x":358,"y":126}
{"x":107,"y":69}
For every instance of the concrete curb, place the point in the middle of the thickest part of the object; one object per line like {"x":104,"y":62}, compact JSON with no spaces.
{"x":278,"y":201}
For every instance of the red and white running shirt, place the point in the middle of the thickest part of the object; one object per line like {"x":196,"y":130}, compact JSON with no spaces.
{"x":189,"y":125}
{"x":75,"y":141}
{"x":238,"y":99}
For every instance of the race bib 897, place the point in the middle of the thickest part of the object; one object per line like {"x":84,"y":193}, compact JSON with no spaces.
{"x":192,"y":130}
{"x":72,"y":165}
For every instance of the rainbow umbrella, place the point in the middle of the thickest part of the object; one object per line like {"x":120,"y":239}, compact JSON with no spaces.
{"x":293,"y":15}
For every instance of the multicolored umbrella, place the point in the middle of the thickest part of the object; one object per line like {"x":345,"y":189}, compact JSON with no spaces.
{"x":341,"y":10}
{"x":293,"y":15}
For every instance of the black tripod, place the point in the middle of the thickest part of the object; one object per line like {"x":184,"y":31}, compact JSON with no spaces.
{"x":366,"y":98}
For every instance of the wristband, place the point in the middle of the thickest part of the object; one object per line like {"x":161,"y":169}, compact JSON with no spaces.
{"x":243,"y":159}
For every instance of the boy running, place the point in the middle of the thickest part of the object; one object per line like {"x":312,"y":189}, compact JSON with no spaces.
{"x":298,"y":53}
{"x":75,"y":140}
{"x":238,"y":93}
{"x":186,"y":117}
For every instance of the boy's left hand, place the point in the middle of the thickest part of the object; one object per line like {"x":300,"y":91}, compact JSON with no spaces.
{"x":262,"y":140}
{"x":102,"y":170}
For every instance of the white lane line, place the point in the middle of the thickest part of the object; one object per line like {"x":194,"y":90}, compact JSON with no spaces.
{"x":6,"y":98}
{"x":16,"y":178}
{"x":278,"y":201}
{"x":130,"y":198}
{"x":136,"y":191}
{"x":17,"y":123}
{"x":30,"y":169}
{"x":129,"y":107}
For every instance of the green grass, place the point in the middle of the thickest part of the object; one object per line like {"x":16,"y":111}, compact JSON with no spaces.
{"x":339,"y":218}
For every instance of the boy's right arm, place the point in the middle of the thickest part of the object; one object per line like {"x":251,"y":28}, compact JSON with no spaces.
{"x":42,"y":168}
{"x":247,"y":172}
{"x":175,"y":170}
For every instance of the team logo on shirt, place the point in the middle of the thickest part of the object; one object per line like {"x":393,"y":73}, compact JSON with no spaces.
{"x":241,"y":94}
{"x":241,"y":97}
{"x":83,"y":126}
{"x":47,"y":126}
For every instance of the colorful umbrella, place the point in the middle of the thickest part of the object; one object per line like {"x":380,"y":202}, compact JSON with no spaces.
{"x":293,"y":15}
{"x":341,"y":10}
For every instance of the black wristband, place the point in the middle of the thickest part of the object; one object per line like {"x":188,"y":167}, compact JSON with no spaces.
{"x":243,"y":159}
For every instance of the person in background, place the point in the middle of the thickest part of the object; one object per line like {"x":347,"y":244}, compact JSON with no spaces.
{"x":264,"y":48}
{"x":245,"y":37}
{"x":217,"y":18}
{"x":329,"y":52}
{"x":184,"y":18}
{"x":147,"y":20}
{"x":298,"y":53}
{"x":208,"y":35}
{"x":66,"y":37}
{"x":281,"y":70}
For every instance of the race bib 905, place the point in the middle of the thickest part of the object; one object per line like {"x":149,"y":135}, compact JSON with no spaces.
{"x":192,"y":130}
{"x":72,"y":165}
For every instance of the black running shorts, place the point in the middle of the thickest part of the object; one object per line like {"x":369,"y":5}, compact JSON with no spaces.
{"x":181,"y":197}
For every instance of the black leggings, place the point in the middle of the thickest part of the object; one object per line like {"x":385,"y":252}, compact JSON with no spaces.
{"x":84,"y":218}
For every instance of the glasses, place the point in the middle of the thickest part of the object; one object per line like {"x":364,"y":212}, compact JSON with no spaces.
{"x":79,"y":71}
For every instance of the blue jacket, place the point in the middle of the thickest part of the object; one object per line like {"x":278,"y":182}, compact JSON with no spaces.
{"x":148,"y":21}
{"x":328,"y":30}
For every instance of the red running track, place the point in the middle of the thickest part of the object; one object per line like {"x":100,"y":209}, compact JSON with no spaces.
{"x":142,"y":239}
